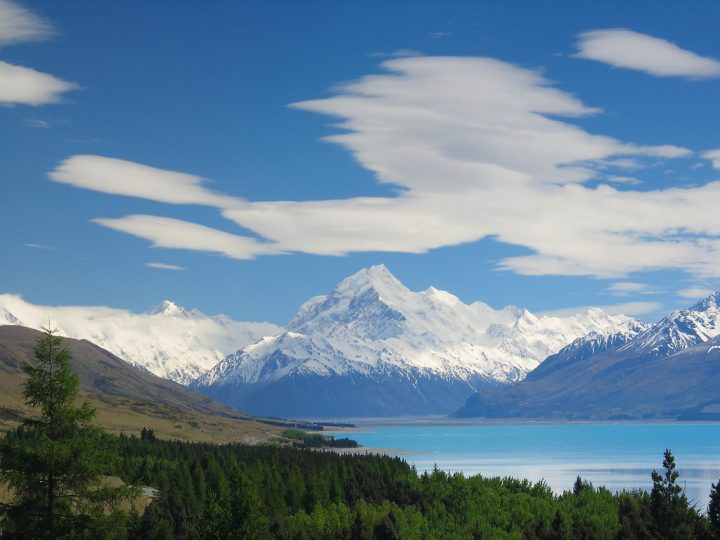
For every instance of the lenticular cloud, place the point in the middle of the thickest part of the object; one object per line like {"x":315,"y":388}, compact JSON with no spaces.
{"x":474,"y":148}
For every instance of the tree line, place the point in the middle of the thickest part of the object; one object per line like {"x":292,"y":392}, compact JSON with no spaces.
{"x":53,"y":468}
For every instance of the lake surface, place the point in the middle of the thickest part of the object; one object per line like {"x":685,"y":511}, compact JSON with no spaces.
{"x":615,"y":455}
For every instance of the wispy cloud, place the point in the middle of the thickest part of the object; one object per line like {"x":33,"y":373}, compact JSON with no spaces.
{"x":629,"y":180}
{"x":21,"y":85}
{"x":18,"y":24}
{"x":35,"y":123}
{"x":626,"y":163}
{"x":446,"y":132}
{"x":625,"y":288}
{"x":631,"y":309}
{"x":87,"y":140}
{"x":119,"y":177}
{"x":40,"y":246}
{"x":628,"y":49}
{"x":399,"y":53}
{"x":694,"y":293}
{"x":164,"y":266}
{"x":439,"y":35}
{"x":177,"y":234}
{"x":714,"y":157}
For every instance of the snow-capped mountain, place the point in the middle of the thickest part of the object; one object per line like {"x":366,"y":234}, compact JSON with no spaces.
{"x":373,"y":347}
{"x":680,"y":330}
{"x":668,"y":370}
{"x":596,"y":342}
{"x":167,"y":340}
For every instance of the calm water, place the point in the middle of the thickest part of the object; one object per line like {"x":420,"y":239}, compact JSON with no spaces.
{"x":618,"y":456}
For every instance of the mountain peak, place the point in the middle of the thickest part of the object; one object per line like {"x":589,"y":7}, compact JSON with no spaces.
{"x":681,"y":329}
{"x":709,"y":302}
{"x":377,"y":277}
{"x":168,"y":307}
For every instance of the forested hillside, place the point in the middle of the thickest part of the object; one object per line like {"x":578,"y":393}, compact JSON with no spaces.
{"x":234,"y":491}
{"x":62,"y":477}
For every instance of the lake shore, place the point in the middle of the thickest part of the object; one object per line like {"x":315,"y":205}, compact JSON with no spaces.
{"x":363,"y":423}
{"x":618,"y":454}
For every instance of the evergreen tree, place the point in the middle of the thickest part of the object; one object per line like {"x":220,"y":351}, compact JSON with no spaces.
{"x":237,"y":513}
{"x":668,"y":504}
{"x":387,"y":528}
{"x":713,"y":510}
{"x":581,"y":485}
{"x":53,"y":463}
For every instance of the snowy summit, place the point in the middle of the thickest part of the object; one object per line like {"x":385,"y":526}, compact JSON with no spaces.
{"x":372,"y":346}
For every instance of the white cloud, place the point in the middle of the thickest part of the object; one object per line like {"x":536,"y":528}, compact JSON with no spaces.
{"x":631,"y":309}
{"x":714,"y":157}
{"x":119,"y":177}
{"x":475,"y":148}
{"x":621,"y":163}
{"x":629,"y":180}
{"x":25,"y":86}
{"x":22,"y":85}
{"x":624,"y":288}
{"x":664,"y":151}
{"x":17,"y":24}
{"x":177,"y":234}
{"x":164,"y":266}
{"x":439,"y":35}
{"x":695,"y":292}
{"x":627,"y":49}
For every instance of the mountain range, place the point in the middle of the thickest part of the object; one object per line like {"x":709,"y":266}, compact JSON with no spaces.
{"x":167,"y":340}
{"x":372,"y":347}
{"x":670,"y":370}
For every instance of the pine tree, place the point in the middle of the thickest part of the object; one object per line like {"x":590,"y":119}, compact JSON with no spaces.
{"x":713,"y":510}
{"x":668,"y":504}
{"x":581,"y":485}
{"x":238,"y":513}
{"x":53,"y":463}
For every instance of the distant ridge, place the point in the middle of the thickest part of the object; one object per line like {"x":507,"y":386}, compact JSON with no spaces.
{"x":167,"y":340}
{"x":670,"y":370}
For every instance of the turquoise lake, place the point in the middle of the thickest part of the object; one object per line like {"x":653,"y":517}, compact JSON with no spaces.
{"x":615,"y":455}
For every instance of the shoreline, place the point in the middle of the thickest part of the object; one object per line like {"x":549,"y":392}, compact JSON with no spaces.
{"x":368,"y":425}
{"x":411,"y":421}
{"x":370,"y":450}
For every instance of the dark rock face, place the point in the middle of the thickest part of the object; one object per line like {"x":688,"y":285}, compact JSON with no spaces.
{"x":615,"y":384}
{"x":668,"y":370}
{"x":309,"y":395}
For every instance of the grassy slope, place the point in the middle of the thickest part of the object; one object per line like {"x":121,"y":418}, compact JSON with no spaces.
{"x":126,"y":398}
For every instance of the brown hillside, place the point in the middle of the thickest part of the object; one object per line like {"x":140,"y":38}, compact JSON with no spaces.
{"x":126,"y":398}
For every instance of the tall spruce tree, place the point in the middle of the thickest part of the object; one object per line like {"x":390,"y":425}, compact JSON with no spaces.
{"x":671,"y":512}
{"x":52,"y":463}
{"x":713,"y":510}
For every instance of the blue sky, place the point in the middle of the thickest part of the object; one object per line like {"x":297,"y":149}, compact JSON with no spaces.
{"x":548,"y":155}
